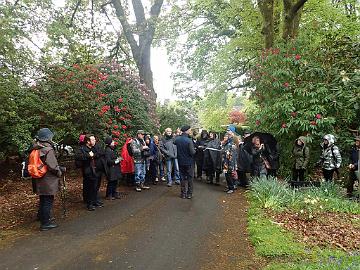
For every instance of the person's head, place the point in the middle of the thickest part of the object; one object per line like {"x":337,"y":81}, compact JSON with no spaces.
{"x":212,"y":135}
{"x":178,"y":132}
{"x":147,"y":139}
{"x":109,"y":142}
{"x":140,"y":134}
{"x":226,"y":137}
{"x":90,"y":140}
{"x":299,"y":142}
{"x":328,"y":140}
{"x":44,"y":135}
{"x":357,"y":141}
{"x":186,"y":129}
{"x":168,"y":132}
{"x":204,"y":134}
{"x":256,"y":141}
{"x":156,"y":139}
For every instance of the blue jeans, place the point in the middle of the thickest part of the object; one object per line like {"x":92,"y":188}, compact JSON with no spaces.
{"x":140,"y":173}
{"x":169,"y":166}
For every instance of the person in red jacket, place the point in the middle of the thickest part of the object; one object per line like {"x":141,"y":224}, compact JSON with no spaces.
{"x":127,"y":163}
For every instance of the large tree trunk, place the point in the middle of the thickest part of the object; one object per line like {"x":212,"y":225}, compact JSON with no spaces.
{"x":145,"y":28}
{"x":267,"y":11}
{"x":292,"y":14}
{"x":141,"y":50}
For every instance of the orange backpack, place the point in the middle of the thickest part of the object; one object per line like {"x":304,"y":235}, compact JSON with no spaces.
{"x":36,"y":167}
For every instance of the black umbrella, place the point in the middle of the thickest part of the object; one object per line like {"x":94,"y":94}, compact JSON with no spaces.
{"x":265,"y":138}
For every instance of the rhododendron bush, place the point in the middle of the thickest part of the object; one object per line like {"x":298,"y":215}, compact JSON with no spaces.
{"x":103,"y":99}
{"x":299,"y":90}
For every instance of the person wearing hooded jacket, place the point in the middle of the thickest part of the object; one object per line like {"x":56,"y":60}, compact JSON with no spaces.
{"x":127,"y":163}
{"x":330,"y":157}
{"x":301,"y":155}
{"x":47,"y":186}
{"x":113,"y":173}
{"x":200,"y":146}
{"x":169,"y":150}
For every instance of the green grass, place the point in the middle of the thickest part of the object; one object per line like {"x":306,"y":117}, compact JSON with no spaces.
{"x":281,"y":248}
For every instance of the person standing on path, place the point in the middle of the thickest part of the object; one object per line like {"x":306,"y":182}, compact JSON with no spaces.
{"x":113,"y":169}
{"x":138,"y":147}
{"x":330,"y":158}
{"x":186,"y":152}
{"x":199,"y":157}
{"x":169,"y":150}
{"x":229,"y":151}
{"x":48,"y":185}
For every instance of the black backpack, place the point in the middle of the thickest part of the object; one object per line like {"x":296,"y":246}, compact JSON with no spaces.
{"x":129,"y":149}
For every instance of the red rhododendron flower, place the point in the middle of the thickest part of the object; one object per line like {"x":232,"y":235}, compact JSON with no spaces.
{"x":293,"y":114}
{"x":257,"y":122}
{"x":89,"y":86}
{"x":94,"y":81}
{"x":122,"y":118}
{"x":294,"y":49}
{"x":318,"y":116}
{"x":124,"y":127}
{"x":120,"y":100}
{"x":297,"y":57}
{"x":286,"y":84}
{"x":116,"y":143}
{"x":283,"y":125}
{"x":117,"y":109}
{"x":76,"y":66}
{"x":124,"y":108}
{"x":116,"y":126}
{"x":313,"y":123}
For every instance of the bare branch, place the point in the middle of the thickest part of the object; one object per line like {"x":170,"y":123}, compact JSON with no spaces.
{"x":139,"y":13}
{"x":73,"y":15}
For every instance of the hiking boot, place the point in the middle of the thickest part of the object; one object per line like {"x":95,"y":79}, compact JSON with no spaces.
{"x":156,"y":180}
{"x":230,"y":191}
{"x":142,"y":186}
{"x":163,"y":179}
{"x":138,"y":188}
{"x":169,"y":185}
{"x":48,"y":227}
{"x":177,"y":182}
{"x":189,"y":196}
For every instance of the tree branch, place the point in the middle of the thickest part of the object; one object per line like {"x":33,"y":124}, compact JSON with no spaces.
{"x":120,"y":13}
{"x":299,"y":4}
{"x":73,"y":15}
{"x":139,"y":13}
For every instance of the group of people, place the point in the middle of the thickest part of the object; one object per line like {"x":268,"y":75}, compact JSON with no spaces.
{"x":172,"y":158}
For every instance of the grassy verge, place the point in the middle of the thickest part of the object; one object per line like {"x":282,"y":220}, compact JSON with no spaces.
{"x":279,"y":246}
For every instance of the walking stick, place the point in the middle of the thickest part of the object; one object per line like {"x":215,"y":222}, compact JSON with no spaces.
{"x":63,"y":195}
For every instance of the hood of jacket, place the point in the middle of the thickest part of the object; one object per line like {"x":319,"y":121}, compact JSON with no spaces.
{"x":330,"y":138}
{"x":302,"y":139}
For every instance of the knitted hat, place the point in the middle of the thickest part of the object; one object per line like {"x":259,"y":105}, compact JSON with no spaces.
{"x":140,"y":131}
{"x":108,"y":140}
{"x":44,"y":135}
{"x":82,"y":138}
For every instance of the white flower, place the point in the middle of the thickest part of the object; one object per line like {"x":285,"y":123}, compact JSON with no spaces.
{"x":345,"y":79}
{"x":342,"y":73}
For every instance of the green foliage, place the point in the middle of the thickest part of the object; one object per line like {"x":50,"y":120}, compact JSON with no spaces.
{"x":173,"y":115}
{"x":273,"y":194}
{"x":269,"y":239}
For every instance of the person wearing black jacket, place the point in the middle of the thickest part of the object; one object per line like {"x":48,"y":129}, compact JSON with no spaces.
{"x":113,"y":173}
{"x":353,"y":166}
{"x":244,"y":163}
{"x":199,"y":157}
{"x":90,"y":160}
{"x":185,"y":155}
{"x":212,"y":159}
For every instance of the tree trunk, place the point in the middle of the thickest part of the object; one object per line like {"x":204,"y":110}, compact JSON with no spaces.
{"x":292,"y":14}
{"x":145,"y":28}
{"x":267,"y":11}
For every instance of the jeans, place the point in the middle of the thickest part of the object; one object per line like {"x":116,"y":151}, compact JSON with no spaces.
{"x":140,"y":173}
{"x":169,"y":166}
{"x":186,"y":176}
{"x":45,"y":206}
{"x":229,"y":181}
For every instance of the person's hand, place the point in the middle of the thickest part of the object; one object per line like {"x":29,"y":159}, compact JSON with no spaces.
{"x":261,"y":146}
{"x":145,"y":147}
{"x":351,"y":166}
{"x":117,"y":161}
{"x":91,"y":153}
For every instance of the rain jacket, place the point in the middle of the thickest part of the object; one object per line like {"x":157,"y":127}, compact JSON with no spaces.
{"x":330,"y":155}
{"x":301,"y":154}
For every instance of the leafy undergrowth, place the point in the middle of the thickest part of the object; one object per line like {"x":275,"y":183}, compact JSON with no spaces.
{"x":309,"y":229}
